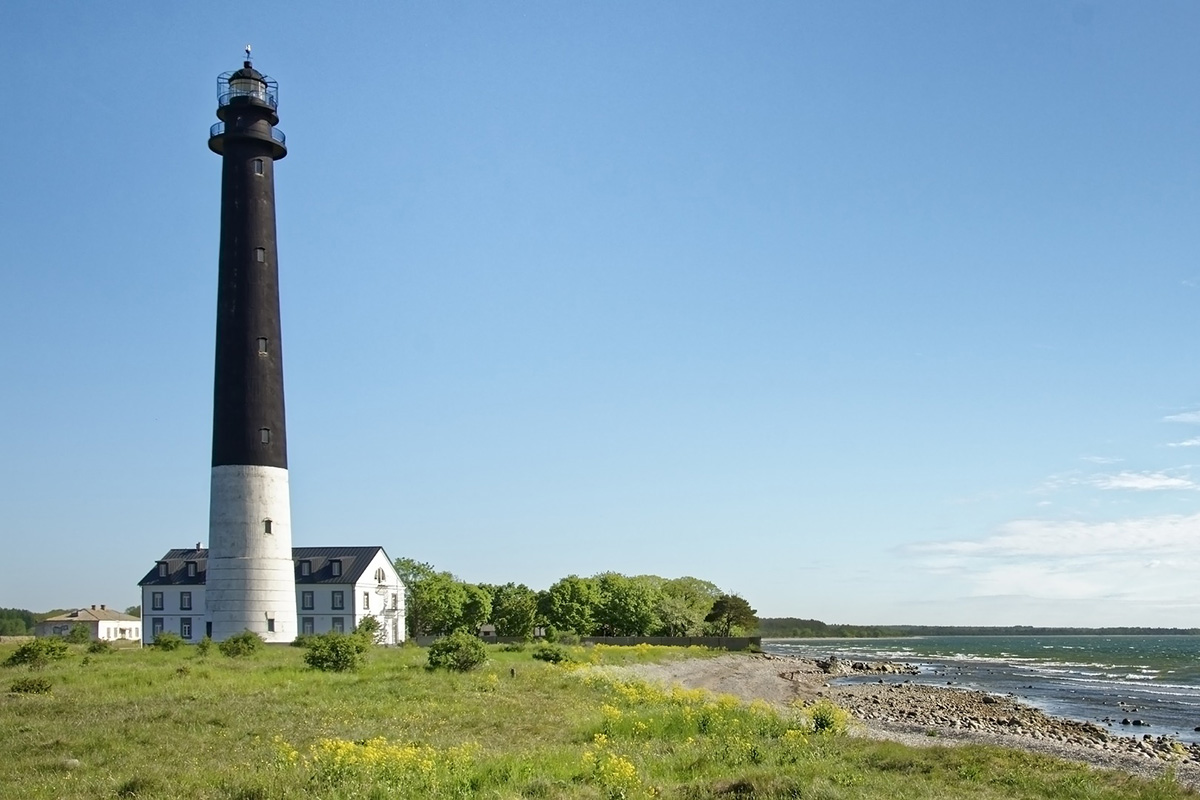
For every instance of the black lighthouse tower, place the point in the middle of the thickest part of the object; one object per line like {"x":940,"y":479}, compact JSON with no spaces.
{"x":250,"y":581}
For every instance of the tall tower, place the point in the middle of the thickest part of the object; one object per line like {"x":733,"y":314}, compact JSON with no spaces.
{"x":251,"y":579}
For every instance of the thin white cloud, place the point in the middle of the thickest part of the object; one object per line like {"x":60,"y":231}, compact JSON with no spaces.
{"x":1102,"y":459}
{"x":1150,"y":561}
{"x":1192,"y":417}
{"x":1195,"y":442}
{"x":1142,"y":481}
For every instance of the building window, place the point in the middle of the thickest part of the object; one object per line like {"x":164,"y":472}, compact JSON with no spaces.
{"x":262,"y":345}
{"x":191,"y":569}
{"x":336,"y":567}
{"x":185,"y":627}
{"x":270,"y":624}
{"x":395,"y":601}
{"x":380,"y":575}
{"x":258,"y":166}
{"x":156,"y":601}
{"x":266,"y":526}
{"x":185,"y":601}
{"x":306,"y":601}
{"x":305,"y":569}
{"x":338,"y":600}
{"x":306,"y":625}
{"x":260,"y":254}
{"x":339,"y":624}
{"x":156,"y":626}
{"x":162,"y":569}
{"x":264,"y":435}
{"x":366,"y":601}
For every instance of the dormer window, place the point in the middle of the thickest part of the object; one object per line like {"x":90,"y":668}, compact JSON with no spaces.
{"x":162,"y":569}
{"x":305,"y":569}
{"x":191,"y":569}
{"x":335,"y":567}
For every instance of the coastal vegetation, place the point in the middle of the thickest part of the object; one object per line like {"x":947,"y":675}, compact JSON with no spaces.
{"x":605,"y":604}
{"x":796,"y":628}
{"x":152,"y":723}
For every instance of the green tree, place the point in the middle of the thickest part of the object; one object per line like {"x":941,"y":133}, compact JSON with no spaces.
{"x":570,"y":605}
{"x":514,"y":609}
{"x":412,"y":573}
{"x":683,"y":604}
{"x":134,"y":611}
{"x":627,"y":606}
{"x":437,"y":604}
{"x":730,"y":611}
{"x":79,"y":634}
{"x":477,"y":609}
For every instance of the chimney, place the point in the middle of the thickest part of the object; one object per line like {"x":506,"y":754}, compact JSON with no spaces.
{"x":93,"y":606}
{"x":102,"y":607}
{"x":197,"y":545}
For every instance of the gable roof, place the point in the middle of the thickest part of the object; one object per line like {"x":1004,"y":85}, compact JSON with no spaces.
{"x":355,"y":561}
{"x":91,"y":615}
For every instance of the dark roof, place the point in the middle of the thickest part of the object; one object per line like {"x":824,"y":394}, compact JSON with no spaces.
{"x":355,"y":561}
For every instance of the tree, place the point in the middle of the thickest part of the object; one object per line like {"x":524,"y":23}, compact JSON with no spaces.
{"x":79,"y":634}
{"x":626,"y":605}
{"x":570,"y":605}
{"x":134,"y":611}
{"x":683,"y":604}
{"x":437,"y":604}
{"x":411,"y":573}
{"x":514,"y":609}
{"x":477,"y":609}
{"x":730,"y":611}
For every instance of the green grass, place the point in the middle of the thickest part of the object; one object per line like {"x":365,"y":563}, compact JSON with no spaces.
{"x":151,"y":724}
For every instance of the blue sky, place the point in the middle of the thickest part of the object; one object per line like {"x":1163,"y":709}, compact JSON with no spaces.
{"x":871,"y":312}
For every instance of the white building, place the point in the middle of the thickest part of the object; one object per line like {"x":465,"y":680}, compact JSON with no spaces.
{"x":336,"y":587}
{"x":102,"y":623}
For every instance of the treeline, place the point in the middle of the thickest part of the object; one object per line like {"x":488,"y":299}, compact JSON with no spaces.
{"x":607,"y":604}
{"x":16,"y":622}
{"x":794,"y":628}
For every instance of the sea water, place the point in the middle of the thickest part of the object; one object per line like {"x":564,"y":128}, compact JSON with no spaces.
{"x":1101,"y":679}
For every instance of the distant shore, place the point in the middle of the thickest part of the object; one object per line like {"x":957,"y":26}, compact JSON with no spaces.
{"x":927,"y":716}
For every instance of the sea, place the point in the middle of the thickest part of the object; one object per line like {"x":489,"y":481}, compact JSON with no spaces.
{"x":1101,"y":679}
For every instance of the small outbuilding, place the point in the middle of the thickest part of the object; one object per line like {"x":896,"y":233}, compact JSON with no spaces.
{"x":100,"y":621}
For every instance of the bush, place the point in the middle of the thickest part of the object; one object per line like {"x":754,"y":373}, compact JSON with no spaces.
{"x":246,"y":643}
{"x":335,"y":652}
{"x":368,"y":629}
{"x":552,"y":653}
{"x":460,"y":651}
{"x":513,"y":647}
{"x":203,"y":647}
{"x":99,"y":647}
{"x":166,"y":640}
{"x":31,"y":685}
{"x":828,"y":718}
{"x":303,"y":640}
{"x":79,"y":634}
{"x":37,"y":653}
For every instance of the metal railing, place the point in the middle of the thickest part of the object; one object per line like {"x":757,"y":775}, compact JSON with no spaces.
{"x":219,"y":130}
{"x":267,"y":97}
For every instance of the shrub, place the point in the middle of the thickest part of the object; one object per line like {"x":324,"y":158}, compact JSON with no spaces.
{"x":203,"y":647}
{"x":460,"y":651}
{"x":828,"y":718}
{"x":31,"y":685}
{"x":99,"y":647}
{"x":167,"y":640}
{"x":513,"y":647}
{"x":368,"y":630}
{"x":552,"y":653}
{"x":246,"y":643}
{"x":79,"y":634}
{"x":37,"y":653}
{"x":335,"y":652}
{"x":303,"y":640}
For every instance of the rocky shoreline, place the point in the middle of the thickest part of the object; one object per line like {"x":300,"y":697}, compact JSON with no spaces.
{"x":923,"y":715}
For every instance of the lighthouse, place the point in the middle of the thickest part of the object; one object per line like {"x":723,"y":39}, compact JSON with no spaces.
{"x":251,"y":578}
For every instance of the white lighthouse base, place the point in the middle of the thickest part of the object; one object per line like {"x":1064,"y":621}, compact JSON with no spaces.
{"x":250,"y":583}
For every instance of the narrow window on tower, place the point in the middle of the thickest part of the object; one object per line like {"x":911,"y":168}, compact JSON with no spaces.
{"x":262,"y":346}
{"x":260,"y":254}
{"x":258,"y":166}
{"x":270,"y":624}
{"x":266,"y":526}
{"x":264,"y":434}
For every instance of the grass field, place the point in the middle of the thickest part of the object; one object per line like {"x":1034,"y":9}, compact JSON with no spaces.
{"x":151,"y":724}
